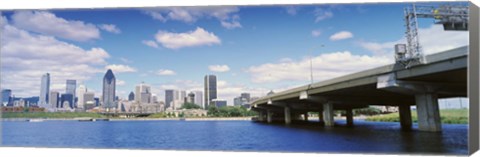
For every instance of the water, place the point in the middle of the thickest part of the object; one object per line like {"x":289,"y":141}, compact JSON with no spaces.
{"x":365,"y":137}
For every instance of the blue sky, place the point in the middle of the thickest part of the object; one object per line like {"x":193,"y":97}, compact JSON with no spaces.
{"x":250,"y":48}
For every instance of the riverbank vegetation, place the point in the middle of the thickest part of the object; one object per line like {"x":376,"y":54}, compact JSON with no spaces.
{"x":229,"y":111}
{"x":447,"y":116}
{"x":51,"y":115}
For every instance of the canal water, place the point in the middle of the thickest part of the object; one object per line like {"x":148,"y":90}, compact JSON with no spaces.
{"x":364,"y":137}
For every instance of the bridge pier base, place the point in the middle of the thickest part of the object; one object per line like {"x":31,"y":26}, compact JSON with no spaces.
{"x":349,"y":115}
{"x":288,"y":115}
{"x":428,"y":112}
{"x":269,"y":116}
{"x":261,"y":116}
{"x":405,"y":117}
{"x":328,"y":114}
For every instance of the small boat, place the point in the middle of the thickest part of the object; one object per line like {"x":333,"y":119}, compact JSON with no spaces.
{"x":35,"y":120}
{"x":102,"y":119}
{"x":85,"y":120}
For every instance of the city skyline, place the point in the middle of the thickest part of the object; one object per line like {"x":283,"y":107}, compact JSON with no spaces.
{"x":146,"y":48}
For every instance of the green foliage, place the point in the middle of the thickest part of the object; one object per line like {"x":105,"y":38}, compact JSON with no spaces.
{"x":190,"y":106}
{"x":51,"y":115}
{"x":447,"y":116}
{"x":367,"y":111}
{"x":159,"y":115}
{"x":229,"y":111}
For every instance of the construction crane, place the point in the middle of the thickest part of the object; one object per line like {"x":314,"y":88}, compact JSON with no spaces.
{"x":453,"y":18}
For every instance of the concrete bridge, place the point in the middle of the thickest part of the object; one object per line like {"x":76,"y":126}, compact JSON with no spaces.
{"x":443,"y":75}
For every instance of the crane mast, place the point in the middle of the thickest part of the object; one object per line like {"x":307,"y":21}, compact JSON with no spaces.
{"x":453,"y":18}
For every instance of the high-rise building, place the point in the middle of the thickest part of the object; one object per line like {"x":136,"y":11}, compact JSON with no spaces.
{"x":169,"y":96}
{"x":143,"y":93}
{"x":210,"y":84}
{"x":71,"y":88}
{"x":44,"y":89}
{"x":108,"y":94}
{"x":6,"y":97}
{"x":53,"y":99}
{"x":80,"y":97}
{"x":66,"y":101}
{"x":154,"y":99}
{"x":131,"y":96}
{"x":199,"y":98}
{"x":89,"y":100}
{"x":245,"y":96}
{"x":191,"y":98}
{"x":243,"y":99}
{"x":183,"y":96}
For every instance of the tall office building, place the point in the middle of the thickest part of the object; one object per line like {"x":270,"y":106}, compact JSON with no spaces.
{"x":245,"y":96}
{"x":66,"y":100}
{"x":44,"y":89}
{"x":80,"y":97}
{"x":219,"y":103}
{"x":143,"y":93}
{"x":199,"y":98}
{"x":131,"y":96}
{"x":89,"y":100}
{"x":53,"y":99}
{"x":6,"y":97}
{"x":108,"y":94}
{"x":168,"y":97}
{"x":71,"y":87}
{"x":210,"y":84}
{"x":191,"y":98}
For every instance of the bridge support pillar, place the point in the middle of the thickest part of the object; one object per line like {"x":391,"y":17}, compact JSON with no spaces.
{"x":349,"y":115}
{"x":269,"y":116}
{"x":288,"y":115}
{"x":261,"y":116}
{"x":305,"y":116}
{"x":328,"y":114}
{"x":428,"y":112}
{"x":320,"y":116}
{"x":405,"y":117}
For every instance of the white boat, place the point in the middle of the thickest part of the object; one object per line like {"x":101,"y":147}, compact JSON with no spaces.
{"x":35,"y":120}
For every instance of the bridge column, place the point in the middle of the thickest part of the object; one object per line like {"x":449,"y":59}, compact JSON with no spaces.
{"x":288,"y":115}
{"x":328,"y":114}
{"x":405,"y":117}
{"x":320,"y":116}
{"x":428,"y":112}
{"x":261,"y":116}
{"x":349,"y":115}
{"x":269,"y":116}
{"x":305,"y":116}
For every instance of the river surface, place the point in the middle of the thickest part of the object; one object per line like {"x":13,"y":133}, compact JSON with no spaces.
{"x":364,"y":137}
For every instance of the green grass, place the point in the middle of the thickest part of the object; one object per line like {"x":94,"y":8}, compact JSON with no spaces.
{"x":51,"y":115}
{"x":447,"y":116}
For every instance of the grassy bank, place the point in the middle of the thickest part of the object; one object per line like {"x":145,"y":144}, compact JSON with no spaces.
{"x":51,"y":115}
{"x":447,"y":116}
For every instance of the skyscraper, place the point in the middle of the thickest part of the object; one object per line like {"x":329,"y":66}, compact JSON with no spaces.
{"x":199,"y":98}
{"x":79,"y":92}
{"x":131,"y":96}
{"x":44,"y":89}
{"x":71,"y":87}
{"x":191,"y":97}
{"x":210,"y":84}
{"x":6,"y":97}
{"x":168,"y":97}
{"x":108,"y":94}
{"x":143,"y":93}
{"x":89,"y":100}
{"x":66,"y":101}
{"x":53,"y":99}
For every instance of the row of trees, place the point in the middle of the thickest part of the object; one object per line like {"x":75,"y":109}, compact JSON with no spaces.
{"x":229,"y":111}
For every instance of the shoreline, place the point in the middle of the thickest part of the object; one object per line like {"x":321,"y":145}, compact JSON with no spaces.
{"x":135,"y":119}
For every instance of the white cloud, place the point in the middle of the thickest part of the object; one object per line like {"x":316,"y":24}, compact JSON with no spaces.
{"x":429,"y":40}
{"x":219,"y":68}
{"x":165,"y":72}
{"x":291,"y":10}
{"x":198,"y":37}
{"x":119,"y":68}
{"x":110,"y":28}
{"x":325,"y":66}
{"x":322,"y":14}
{"x":150,"y":43}
{"x":120,"y":82}
{"x":225,"y":14}
{"x":341,"y":35}
{"x":125,"y":60}
{"x":49,"y":24}
{"x":316,"y":33}
{"x":22,"y":65}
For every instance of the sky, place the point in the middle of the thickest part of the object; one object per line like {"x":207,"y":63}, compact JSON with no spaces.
{"x":251,"y":49}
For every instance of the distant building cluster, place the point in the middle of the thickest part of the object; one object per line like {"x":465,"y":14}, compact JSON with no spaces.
{"x":77,"y":98}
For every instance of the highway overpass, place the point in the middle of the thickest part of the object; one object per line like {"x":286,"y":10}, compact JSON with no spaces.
{"x":443,"y":75}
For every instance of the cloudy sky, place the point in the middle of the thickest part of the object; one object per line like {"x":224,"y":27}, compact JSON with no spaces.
{"x":251,"y":49}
